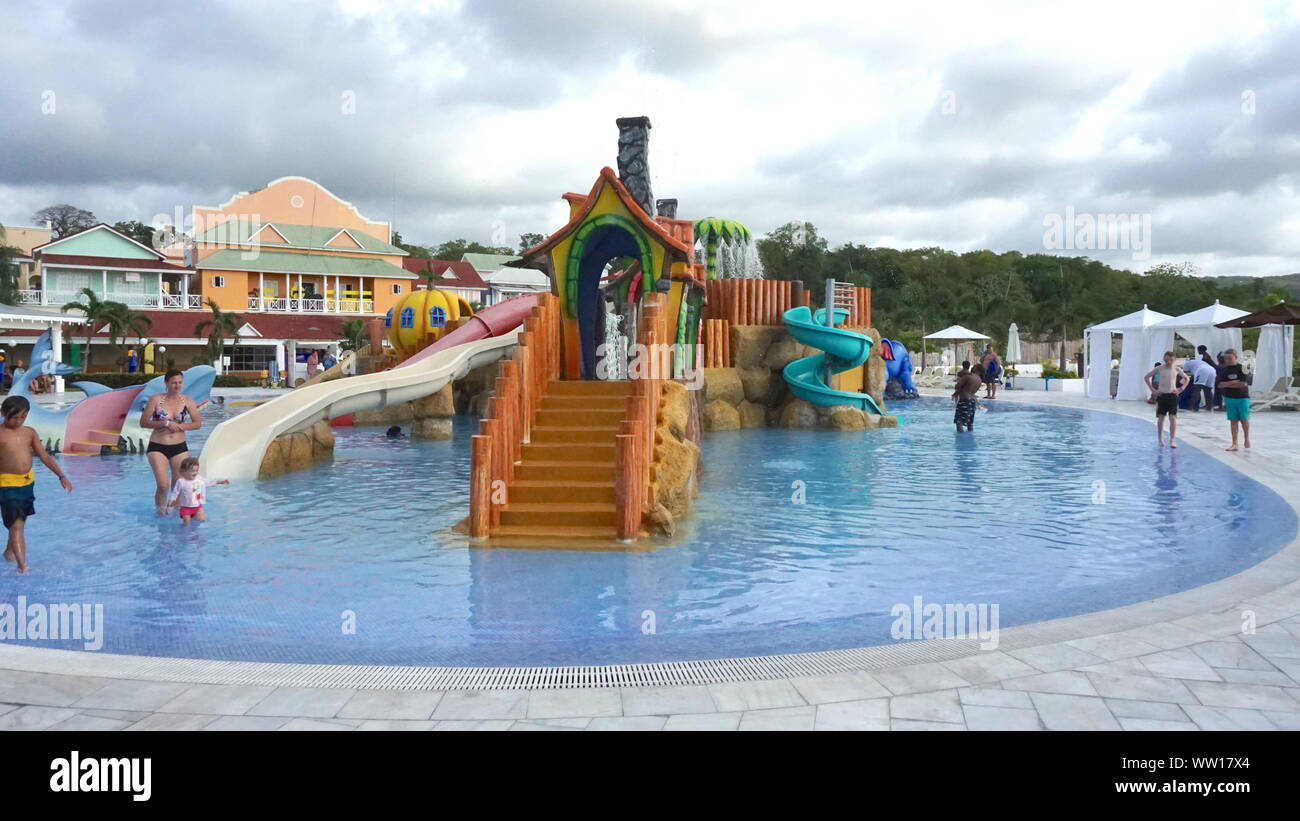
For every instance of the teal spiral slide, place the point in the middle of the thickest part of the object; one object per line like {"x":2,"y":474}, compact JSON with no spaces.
{"x":843,"y":350}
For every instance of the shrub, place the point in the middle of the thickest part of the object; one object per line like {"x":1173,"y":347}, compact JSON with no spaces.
{"x":111,"y":380}
{"x":1053,"y":371}
{"x":227,"y":381}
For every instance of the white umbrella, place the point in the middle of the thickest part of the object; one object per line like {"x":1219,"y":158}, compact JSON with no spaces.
{"x":1013,"y":344}
{"x":955,"y":334}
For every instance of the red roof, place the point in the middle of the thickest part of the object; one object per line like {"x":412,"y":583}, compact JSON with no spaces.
{"x":112,"y":262}
{"x":463,"y":274}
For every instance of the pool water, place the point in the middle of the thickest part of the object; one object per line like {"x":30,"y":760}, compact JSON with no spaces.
{"x":801,"y":541}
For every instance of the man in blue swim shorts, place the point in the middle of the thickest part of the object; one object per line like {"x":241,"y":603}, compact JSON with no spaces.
{"x":1236,"y":397}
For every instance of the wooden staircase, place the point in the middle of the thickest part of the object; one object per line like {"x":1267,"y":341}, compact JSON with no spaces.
{"x":97,"y":440}
{"x":563,"y":485}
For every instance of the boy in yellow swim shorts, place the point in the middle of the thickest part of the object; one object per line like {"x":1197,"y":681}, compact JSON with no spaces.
{"x":17,"y":480}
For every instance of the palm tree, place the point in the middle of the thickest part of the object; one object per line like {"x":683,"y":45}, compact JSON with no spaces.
{"x":96,"y":315}
{"x":354,"y":334}
{"x":216,"y":329}
{"x":123,"y":322}
{"x":8,"y":271}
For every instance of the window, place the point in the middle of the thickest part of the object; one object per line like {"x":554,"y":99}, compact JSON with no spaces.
{"x":250,"y":357}
{"x":388,"y":318}
{"x":397,"y":287}
{"x":437,"y":317}
{"x":408,"y":317}
{"x":218,"y":282}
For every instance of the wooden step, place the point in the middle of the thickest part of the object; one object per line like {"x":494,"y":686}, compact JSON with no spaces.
{"x":562,"y":402}
{"x":82,"y":448}
{"x":104,"y":437}
{"x":559,"y":514}
{"x":576,"y":471}
{"x":569,"y":452}
{"x":541,"y":490}
{"x":577,"y":387}
{"x":595,"y":435}
{"x":550,"y":537}
{"x":585,"y":417}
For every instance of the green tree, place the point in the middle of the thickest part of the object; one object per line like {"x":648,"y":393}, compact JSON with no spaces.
{"x":96,"y":314}
{"x":354,"y":335}
{"x":416,"y":251}
{"x":453,"y":250}
{"x":64,"y":219}
{"x":122,"y":322}
{"x":530,"y":240}
{"x":138,"y":231}
{"x":216,"y":329}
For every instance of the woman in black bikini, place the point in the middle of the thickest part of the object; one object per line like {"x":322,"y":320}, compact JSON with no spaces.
{"x":169,"y":414}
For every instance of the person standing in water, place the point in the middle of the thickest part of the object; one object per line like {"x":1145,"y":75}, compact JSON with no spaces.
{"x":1172,"y":381}
{"x":169,"y":415}
{"x":965,"y":393}
{"x":17,"y":481}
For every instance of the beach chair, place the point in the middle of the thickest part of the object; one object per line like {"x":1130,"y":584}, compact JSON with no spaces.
{"x":1279,"y":397}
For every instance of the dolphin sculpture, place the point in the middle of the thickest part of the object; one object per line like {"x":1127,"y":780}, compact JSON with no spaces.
{"x":106,"y":417}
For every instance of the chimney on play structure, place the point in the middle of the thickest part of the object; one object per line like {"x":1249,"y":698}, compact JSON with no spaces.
{"x":667,"y":208}
{"x":634,"y":159}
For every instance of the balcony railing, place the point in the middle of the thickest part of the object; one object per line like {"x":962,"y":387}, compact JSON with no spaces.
{"x":310,"y":305}
{"x":133,"y":300}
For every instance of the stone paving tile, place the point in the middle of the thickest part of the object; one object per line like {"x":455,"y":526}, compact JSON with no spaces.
{"x":414,"y":705}
{"x":938,"y":706}
{"x":664,"y":701}
{"x":216,"y":699}
{"x":1274,"y":677}
{"x":1291,"y":667}
{"x":1052,"y":657}
{"x":301,"y":702}
{"x":1155,"y":725}
{"x":1155,"y":710}
{"x":1279,"y":644}
{"x":536,"y":726}
{"x":1119,"y":667}
{"x":704,"y":721}
{"x":172,"y":722}
{"x":1284,"y":721}
{"x":390,"y":725}
{"x":635,"y":723}
{"x":35,"y":717}
{"x":1166,"y":635}
{"x":1000,"y":718}
{"x":1142,"y":688}
{"x":1231,"y":654}
{"x":43,"y":689}
{"x":740,"y":696}
{"x":989,"y":667}
{"x":919,"y":678}
{"x":1249,"y":696}
{"x":129,"y":716}
{"x":868,"y":714}
{"x":1113,"y":646}
{"x":126,"y":694}
{"x":780,"y":718}
{"x":851,"y":686}
{"x":1227,"y":718}
{"x":482,"y":704}
{"x":316,"y":725}
{"x":1180,"y":663}
{"x":1065,"y":682}
{"x":568,"y":723}
{"x":1069,"y":712}
{"x":567,"y":703}
{"x":486,"y":725}
{"x":84,"y":723}
{"x":995,"y":697}
{"x":907,"y":724}
{"x":6,"y":708}
{"x":242,"y":723}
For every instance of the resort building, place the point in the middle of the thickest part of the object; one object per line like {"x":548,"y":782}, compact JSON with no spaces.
{"x":25,"y":239}
{"x":291,"y":260}
{"x":505,"y":282}
{"x":458,"y":277}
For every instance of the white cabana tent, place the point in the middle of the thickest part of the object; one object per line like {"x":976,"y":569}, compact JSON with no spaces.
{"x":1274,"y":357}
{"x":1135,"y":358}
{"x":1197,"y":327}
{"x":955,"y":334}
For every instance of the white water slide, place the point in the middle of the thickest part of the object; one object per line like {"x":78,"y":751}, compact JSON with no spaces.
{"x":235,"y":448}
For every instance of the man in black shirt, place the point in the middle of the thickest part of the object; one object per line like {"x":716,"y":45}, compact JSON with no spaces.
{"x":1236,"y":397}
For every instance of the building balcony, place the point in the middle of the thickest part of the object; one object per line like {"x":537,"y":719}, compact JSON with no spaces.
{"x":311,"y":305}
{"x":154,"y":301}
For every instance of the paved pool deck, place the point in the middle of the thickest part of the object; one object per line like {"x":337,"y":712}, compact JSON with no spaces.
{"x":1180,"y":662}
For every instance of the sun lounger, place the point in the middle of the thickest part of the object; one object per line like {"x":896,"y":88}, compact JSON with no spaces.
{"x":1279,"y":397}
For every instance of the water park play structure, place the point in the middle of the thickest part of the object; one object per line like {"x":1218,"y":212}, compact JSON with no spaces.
{"x":590,"y":434}
{"x":898,"y":370}
{"x":106,"y":418}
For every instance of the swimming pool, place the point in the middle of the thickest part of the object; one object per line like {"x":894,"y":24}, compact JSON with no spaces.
{"x":801,"y":541}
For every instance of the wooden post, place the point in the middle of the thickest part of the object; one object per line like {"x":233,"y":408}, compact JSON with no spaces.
{"x":480,"y":486}
{"x":627,"y":505}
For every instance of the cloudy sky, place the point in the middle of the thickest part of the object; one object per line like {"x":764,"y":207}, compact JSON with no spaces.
{"x":962,"y":125}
